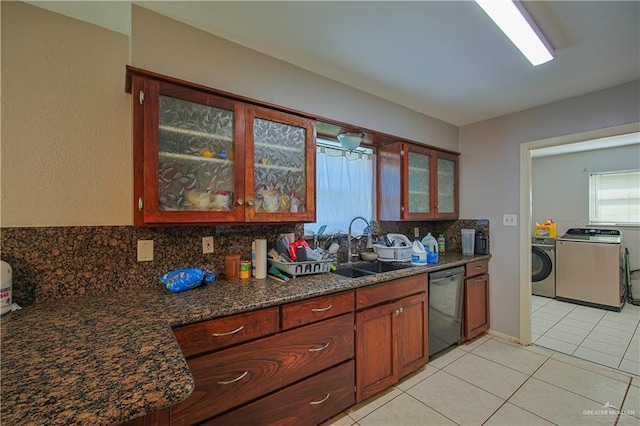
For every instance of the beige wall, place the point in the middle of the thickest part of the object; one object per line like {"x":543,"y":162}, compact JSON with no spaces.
{"x":66,"y":122}
{"x":172,"y":48}
{"x":490,"y":176}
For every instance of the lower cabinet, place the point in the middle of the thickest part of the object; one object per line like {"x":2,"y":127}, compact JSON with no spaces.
{"x":391,"y":337}
{"x":476,"y":299}
{"x":231,"y":377}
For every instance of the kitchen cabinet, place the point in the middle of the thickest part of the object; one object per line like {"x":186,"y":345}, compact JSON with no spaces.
{"x":245,"y":371}
{"x":416,"y":183}
{"x":391,"y":333}
{"x":202,"y":157}
{"x":476,"y":299}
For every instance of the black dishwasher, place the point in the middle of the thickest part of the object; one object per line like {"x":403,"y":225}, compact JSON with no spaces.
{"x":445,"y":308}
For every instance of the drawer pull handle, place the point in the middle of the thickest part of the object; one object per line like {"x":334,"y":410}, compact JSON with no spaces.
{"x":228,"y":382}
{"x":229,"y":333}
{"x":321,"y":401}
{"x":479,"y":267}
{"x":479,"y":279}
{"x":326,"y":345}
{"x":322,"y":309}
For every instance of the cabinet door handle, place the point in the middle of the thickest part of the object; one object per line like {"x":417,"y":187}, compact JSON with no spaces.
{"x":478,"y":267}
{"x":229,"y":333}
{"x":479,"y":280}
{"x":326,"y":345}
{"x":240,"y":201}
{"x":322,"y":309}
{"x":228,"y":382}
{"x":321,"y":401}
{"x":250,"y":202}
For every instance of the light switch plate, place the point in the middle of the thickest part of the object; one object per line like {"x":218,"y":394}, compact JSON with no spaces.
{"x":510,"y":220}
{"x":145,"y":250}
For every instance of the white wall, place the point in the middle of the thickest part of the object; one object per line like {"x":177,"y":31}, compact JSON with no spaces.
{"x":560,"y":189}
{"x":169,"y":47}
{"x":490,"y":176}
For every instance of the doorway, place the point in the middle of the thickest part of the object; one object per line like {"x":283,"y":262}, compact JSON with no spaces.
{"x":527,"y":151}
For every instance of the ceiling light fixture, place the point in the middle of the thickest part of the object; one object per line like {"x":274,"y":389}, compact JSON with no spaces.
{"x":512,"y":18}
{"x":350,"y":141}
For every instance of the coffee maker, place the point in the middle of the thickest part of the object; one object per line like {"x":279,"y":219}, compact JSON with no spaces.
{"x":482,"y":242}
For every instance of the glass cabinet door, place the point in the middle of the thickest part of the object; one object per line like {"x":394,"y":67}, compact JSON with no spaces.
{"x":282,"y":173}
{"x":195,"y":176}
{"x":418,"y":182}
{"x":447,"y":185}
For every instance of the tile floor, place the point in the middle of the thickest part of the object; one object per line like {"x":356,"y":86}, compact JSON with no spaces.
{"x":604,"y":337}
{"x":491,"y":381}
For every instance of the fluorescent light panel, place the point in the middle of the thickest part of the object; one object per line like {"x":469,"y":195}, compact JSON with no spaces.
{"x":515,"y":22}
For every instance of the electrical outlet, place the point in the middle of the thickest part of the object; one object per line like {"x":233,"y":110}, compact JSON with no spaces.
{"x":510,"y":220}
{"x":416,"y":232}
{"x":207,"y":245}
{"x":145,"y":250}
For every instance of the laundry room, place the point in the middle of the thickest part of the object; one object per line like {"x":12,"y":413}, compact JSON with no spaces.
{"x":585,"y":250}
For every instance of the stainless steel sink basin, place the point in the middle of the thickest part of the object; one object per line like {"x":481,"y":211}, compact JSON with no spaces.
{"x":365,"y":269}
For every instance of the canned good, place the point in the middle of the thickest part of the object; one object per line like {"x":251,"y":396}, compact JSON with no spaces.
{"x":245,"y":269}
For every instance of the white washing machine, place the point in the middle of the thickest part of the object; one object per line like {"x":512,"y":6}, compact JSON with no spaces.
{"x":543,"y":267}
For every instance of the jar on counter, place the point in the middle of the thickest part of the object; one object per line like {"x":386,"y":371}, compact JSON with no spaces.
{"x":245,"y":269}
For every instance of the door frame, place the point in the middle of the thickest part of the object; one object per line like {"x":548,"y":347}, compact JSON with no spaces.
{"x":525,"y":210}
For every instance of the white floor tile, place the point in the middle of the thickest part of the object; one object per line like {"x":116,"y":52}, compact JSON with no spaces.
{"x":630,"y":367}
{"x":608,"y":339}
{"x":542,"y":323}
{"x":563,"y":336}
{"x":404,"y":410}
{"x":592,"y":367}
{"x":547,"y":315}
{"x":443,"y":359}
{"x":582,"y":382}
{"x":488,"y":375}
{"x":597,"y":357}
{"x":555,"y":404}
{"x":615,"y":332}
{"x":512,"y":415}
{"x":578,"y":323}
{"x":444,"y":392}
{"x":575,"y":331}
{"x":510,"y":355}
{"x":558,"y":304}
{"x":556,"y":345}
{"x":626,"y":326}
{"x":631,"y":404}
{"x":471,"y":345}
{"x":416,"y":377}
{"x":632,"y":355}
{"x":604,"y":347}
{"x":365,"y":407}
{"x":589,"y":319}
{"x":623,"y":318}
{"x":341,"y":419}
{"x":535,"y":337}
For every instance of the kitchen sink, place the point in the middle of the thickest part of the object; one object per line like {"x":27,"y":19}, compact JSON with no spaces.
{"x":372,"y":268}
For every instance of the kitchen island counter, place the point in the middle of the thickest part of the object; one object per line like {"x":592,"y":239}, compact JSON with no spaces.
{"x":109,"y":358}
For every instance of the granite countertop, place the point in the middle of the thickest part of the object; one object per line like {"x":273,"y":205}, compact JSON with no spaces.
{"x":107,"y":359}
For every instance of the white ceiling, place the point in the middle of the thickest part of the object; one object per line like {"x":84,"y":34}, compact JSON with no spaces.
{"x":446,"y":59}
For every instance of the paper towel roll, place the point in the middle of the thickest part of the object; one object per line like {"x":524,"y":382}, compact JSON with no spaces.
{"x":261,"y":258}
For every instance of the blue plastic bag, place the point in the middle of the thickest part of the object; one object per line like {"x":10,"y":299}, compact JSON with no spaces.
{"x":186,"y":279}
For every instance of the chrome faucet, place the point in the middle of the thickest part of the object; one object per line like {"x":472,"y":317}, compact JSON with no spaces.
{"x":349,"y":254}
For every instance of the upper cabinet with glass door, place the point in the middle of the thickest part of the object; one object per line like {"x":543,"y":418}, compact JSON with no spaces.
{"x":195,"y":155}
{"x":416,"y":183}
{"x":280,"y":177}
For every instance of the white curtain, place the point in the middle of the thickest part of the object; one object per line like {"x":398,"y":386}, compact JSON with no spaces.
{"x":344,"y":189}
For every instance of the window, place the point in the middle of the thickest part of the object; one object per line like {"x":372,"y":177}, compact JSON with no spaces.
{"x":344,"y":188}
{"x":614,"y":198}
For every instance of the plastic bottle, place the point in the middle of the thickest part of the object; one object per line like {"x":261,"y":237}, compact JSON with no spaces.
{"x":441,"y":243}
{"x":418,"y":253}
{"x":431,"y":246}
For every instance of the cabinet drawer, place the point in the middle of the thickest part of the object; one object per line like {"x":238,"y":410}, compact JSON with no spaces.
{"x":392,"y":290}
{"x":479,"y":267}
{"x":231,"y":377}
{"x":219,"y":333}
{"x":319,"y":308}
{"x":310,"y":401}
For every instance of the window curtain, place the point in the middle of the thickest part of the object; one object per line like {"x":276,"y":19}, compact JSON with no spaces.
{"x":344,"y":189}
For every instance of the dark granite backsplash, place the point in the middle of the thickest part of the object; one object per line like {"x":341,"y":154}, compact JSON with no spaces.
{"x":58,"y":262}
